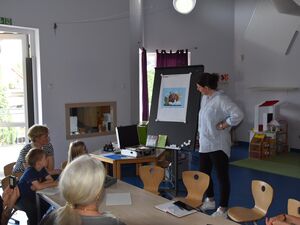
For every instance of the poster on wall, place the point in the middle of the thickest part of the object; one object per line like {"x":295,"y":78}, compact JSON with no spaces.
{"x":173,"y":98}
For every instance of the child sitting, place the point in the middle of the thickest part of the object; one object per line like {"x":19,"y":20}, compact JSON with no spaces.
{"x":76,"y":148}
{"x":34,"y":178}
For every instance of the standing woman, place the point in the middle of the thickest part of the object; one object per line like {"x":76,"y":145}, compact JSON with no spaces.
{"x":39,"y":136}
{"x":217,"y":115}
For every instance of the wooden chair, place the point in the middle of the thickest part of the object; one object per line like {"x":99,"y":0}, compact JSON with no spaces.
{"x":64,"y":164}
{"x":151,"y":176}
{"x":5,"y":182}
{"x":262,"y":193}
{"x":196,"y":184}
{"x":293,"y":207}
{"x":8,"y":168}
{"x":18,"y":175}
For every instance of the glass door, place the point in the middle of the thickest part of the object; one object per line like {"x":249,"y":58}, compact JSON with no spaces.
{"x":13,"y":95}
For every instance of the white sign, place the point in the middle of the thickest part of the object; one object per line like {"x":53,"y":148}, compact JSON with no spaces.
{"x":173,"y":98}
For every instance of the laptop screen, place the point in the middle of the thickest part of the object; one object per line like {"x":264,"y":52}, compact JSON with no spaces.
{"x":127,"y":136}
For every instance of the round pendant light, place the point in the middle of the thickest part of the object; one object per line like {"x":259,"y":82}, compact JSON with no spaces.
{"x":184,"y":6}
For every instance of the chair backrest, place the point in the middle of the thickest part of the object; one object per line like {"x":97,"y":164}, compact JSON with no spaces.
{"x":8,"y":168}
{"x":18,"y":175}
{"x":64,"y":164}
{"x":293,"y":207}
{"x":263,"y":195}
{"x":151,"y":177}
{"x":196,"y":184}
{"x":5,"y":182}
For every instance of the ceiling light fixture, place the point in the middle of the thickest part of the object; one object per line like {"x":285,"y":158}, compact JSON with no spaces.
{"x":184,"y":6}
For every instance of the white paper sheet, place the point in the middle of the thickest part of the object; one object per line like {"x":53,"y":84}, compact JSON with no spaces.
{"x":118,"y":199}
{"x":173,"y":98}
{"x":49,"y":191}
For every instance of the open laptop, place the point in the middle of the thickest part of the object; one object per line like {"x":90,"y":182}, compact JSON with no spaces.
{"x":127,"y":136}
{"x":128,"y":140}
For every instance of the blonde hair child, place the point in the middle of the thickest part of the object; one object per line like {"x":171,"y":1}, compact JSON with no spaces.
{"x":76,"y":148}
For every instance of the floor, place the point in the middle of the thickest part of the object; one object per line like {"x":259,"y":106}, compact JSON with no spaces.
{"x":284,"y":187}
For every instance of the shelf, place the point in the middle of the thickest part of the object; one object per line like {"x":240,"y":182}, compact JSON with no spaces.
{"x":264,"y":88}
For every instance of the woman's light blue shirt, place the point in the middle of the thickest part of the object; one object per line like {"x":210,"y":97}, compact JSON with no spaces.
{"x":214,"y":109}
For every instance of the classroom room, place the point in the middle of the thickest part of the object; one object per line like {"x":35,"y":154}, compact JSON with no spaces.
{"x":83,"y":69}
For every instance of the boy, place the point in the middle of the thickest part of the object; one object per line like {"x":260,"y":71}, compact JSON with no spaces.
{"x":35,"y":178}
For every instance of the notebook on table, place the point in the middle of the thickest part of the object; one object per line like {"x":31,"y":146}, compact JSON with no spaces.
{"x":176,"y":208}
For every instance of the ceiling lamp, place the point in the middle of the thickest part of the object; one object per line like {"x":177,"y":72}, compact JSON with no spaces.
{"x":184,"y":6}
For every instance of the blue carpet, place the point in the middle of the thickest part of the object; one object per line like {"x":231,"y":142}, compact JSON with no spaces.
{"x":284,"y":187}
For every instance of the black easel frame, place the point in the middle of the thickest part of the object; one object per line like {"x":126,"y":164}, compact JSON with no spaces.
{"x":177,"y":133}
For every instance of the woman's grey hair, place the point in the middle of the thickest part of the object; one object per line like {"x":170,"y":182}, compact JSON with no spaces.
{"x":81,"y":183}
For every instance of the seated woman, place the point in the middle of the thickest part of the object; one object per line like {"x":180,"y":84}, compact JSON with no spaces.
{"x":76,"y":148}
{"x":81,"y":185}
{"x":39,"y":136}
{"x":7,"y":202}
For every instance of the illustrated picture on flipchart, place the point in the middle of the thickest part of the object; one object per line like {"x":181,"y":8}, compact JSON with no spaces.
{"x":173,"y":98}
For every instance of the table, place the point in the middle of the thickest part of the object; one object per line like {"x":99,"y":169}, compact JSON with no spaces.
{"x":142,"y":211}
{"x":117,"y":160}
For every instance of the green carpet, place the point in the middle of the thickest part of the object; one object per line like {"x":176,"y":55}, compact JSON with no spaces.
{"x":287,"y":164}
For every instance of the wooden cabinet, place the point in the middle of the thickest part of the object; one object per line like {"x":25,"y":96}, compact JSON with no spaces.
{"x":269,"y":143}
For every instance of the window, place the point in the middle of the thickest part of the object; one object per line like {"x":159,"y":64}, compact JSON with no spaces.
{"x":151,"y":64}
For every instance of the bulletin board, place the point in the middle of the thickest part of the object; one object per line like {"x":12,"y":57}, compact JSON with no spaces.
{"x":177,"y":132}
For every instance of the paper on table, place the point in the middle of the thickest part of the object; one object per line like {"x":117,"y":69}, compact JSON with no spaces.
{"x":118,"y":199}
{"x":49,"y":191}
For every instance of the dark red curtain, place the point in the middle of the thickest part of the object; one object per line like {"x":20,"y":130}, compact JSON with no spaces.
{"x":178,"y":58}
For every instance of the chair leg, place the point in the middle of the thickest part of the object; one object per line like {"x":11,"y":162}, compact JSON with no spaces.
{"x":169,"y":175}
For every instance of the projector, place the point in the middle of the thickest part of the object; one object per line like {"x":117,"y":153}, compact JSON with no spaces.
{"x":138,"y":151}
{"x":133,"y":152}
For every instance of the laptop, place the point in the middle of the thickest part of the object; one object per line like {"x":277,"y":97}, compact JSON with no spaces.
{"x":127,"y":136}
{"x":128,"y":142}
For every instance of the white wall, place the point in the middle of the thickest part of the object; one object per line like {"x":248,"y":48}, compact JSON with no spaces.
{"x":259,"y":63}
{"x":207,"y":32}
{"x":215,"y":34}
{"x":82,"y":62}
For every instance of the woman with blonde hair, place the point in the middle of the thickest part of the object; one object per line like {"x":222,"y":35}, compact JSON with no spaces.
{"x":39,"y":137}
{"x":81,"y":184}
{"x":76,"y":148}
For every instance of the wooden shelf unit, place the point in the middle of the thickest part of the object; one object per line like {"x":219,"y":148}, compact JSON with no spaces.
{"x":270,"y":143}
